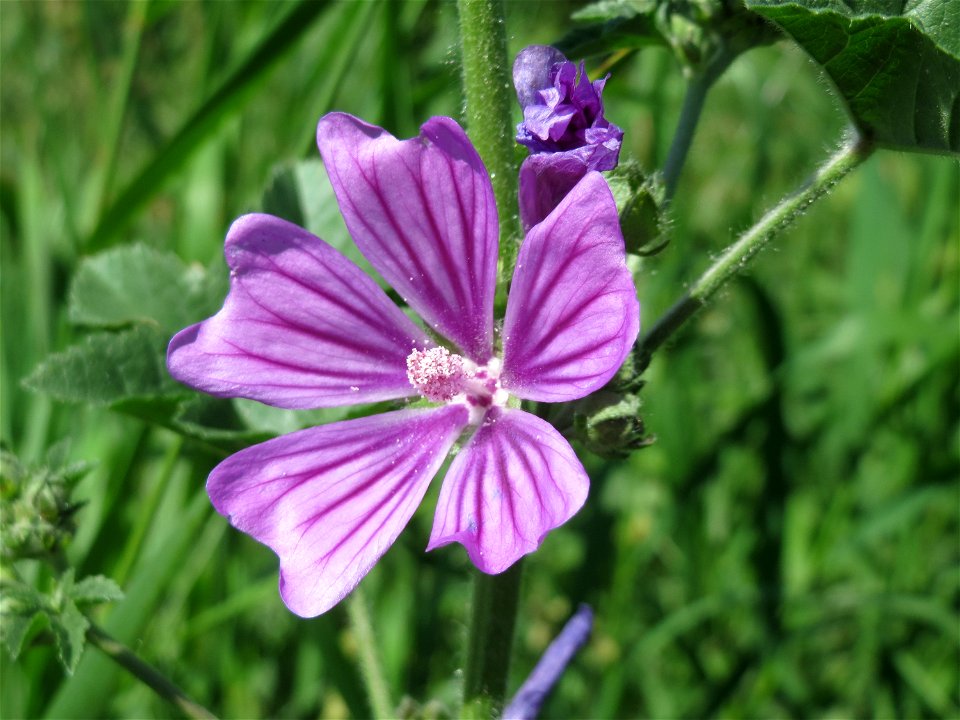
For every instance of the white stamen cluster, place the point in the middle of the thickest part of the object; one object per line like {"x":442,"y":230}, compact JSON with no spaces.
{"x":441,"y":376}
{"x":437,"y":374}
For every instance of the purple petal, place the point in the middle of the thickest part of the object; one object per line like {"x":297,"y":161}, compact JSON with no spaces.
{"x":545,"y":180}
{"x":572,"y":314}
{"x":330,"y":500}
{"x":516,"y":480}
{"x":302,"y":326}
{"x":537,"y":687}
{"x":422,"y":212}
{"x":533,"y":72}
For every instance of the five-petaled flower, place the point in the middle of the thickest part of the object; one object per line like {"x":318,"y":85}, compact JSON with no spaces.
{"x":563,"y":126}
{"x":303,"y":327}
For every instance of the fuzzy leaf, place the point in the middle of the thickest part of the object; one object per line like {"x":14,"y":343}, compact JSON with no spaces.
{"x":14,"y":630}
{"x":895,"y":64}
{"x":20,"y":607}
{"x":136,"y":283}
{"x":70,"y":628}
{"x":107,"y":368}
{"x":611,"y":9}
{"x":611,"y":27}
{"x":95,"y":589}
{"x":279,"y":421}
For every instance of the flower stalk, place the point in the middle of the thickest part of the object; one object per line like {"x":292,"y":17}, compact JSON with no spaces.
{"x":489,"y":101}
{"x":488,"y":91}
{"x":698,"y":86}
{"x":736,"y":257}
{"x":146,"y":673}
{"x":492,"y":623}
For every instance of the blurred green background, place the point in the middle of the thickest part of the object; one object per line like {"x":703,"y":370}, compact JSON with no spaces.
{"x":789,"y":547}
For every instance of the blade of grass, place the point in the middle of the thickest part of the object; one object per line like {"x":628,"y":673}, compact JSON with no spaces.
{"x":136,"y":22}
{"x":234,"y":92}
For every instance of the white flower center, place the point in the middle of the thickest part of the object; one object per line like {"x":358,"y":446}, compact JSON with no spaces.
{"x":441,"y":376}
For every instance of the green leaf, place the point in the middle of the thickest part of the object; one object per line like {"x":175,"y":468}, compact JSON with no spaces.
{"x":301,"y":193}
{"x":95,"y":589}
{"x":896,"y":65}
{"x":137,"y":284}
{"x":70,"y":628}
{"x":14,"y":629}
{"x":624,"y":30}
{"x":20,"y":607}
{"x":612,"y":9}
{"x":107,"y":368}
{"x":279,"y":421}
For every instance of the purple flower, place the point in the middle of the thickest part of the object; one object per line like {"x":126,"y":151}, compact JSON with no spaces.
{"x":531,"y":696}
{"x":303,"y":327}
{"x":564,"y":127}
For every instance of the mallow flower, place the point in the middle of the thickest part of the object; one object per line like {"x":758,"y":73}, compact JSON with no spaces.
{"x":563,"y":126}
{"x":304,"y":327}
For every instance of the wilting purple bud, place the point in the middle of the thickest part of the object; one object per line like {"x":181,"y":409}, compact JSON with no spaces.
{"x":563,"y":126}
{"x":533,"y":693}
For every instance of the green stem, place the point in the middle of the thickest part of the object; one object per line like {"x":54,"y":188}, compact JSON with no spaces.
{"x":736,"y":257}
{"x":378,"y":692}
{"x":492,"y":622}
{"x":693,"y":100}
{"x":488,"y":90}
{"x":150,"y":676}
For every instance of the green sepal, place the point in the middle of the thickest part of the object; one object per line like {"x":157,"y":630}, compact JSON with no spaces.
{"x":641,"y":203}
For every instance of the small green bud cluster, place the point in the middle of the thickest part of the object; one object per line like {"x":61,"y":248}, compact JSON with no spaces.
{"x":36,"y":511}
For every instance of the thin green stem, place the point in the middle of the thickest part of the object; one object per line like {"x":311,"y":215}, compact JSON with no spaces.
{"x":150,"y":676}
{"x":378,"y":692}
{"x":736,"y":257}
{"x":693,"y":100}
{"x":492,"y":622}
{"x":488,"y":91}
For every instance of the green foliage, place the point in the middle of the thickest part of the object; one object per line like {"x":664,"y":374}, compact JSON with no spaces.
{"x":896,"y":66}
{"x":640,"y":200}
{"x":703,"y":34}
{"x":24,"y":609}
{"x":108,"y":368}
{"x":138,"y":284}
{"x":786,"y":548}
{"x":36,"y":512}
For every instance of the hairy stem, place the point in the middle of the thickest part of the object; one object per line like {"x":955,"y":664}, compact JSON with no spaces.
{"x":492,"y":622}
{"x":488,"y":92}
{"x":736,"y":257}
{"x":150,"y":676}
{"x":371,"y":668}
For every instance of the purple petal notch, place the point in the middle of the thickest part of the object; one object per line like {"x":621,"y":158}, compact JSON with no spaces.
{"x":302,"y":326}
{"x":331,"y":500}
{"x":516,"y":479}
{"x":422,"y":212}
{"x":570,"y":323}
